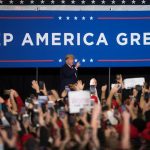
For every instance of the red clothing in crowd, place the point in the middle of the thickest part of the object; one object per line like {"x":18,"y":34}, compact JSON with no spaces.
{"x":19,"y":102}
{"x":94,"y":98}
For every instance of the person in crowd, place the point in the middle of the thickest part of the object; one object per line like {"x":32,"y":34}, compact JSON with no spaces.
{"x":117,"y":120}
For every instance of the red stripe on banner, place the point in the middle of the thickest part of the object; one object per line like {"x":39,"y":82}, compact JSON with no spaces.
{"x":26,"y":17}
{"x":125,"y":60}
{"x":123,"y":18}
{"x":14,"y":61}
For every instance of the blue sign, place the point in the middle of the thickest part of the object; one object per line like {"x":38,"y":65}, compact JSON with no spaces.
{"x":95,"y":38}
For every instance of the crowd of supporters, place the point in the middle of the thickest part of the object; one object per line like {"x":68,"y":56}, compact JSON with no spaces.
{"x":119,"y":119}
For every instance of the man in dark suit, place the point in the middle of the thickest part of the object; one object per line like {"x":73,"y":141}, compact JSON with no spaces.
{"x":69,"y":72}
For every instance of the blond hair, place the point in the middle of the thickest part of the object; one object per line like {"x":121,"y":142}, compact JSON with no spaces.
{"x":69,"y":56}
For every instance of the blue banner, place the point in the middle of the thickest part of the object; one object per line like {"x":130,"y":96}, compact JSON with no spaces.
{"x":95,"y":38}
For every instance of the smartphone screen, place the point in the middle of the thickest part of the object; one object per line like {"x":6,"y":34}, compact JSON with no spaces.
{"x":7,"y":92}
{"x":81,"y":112}
{"x":92,"y":89}
{"x":67,"y":88}
{"x":23,"y":110}
{"x":123,"y":108}
{"x":41,"y":85}
{"x":50,"y":104}
{"x":61,"y":112}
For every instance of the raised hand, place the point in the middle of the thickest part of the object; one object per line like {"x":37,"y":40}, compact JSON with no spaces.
{"x":64,"y":93}
{"x":13,"y":93}
{"x":115,"y":89}
{"x":35,"y":86}
{"x":104,"y":88}
{"x":1,"y":100}
{"x":79,"y":85}
{"x":77,"y":65}
{"x":55,"y":94}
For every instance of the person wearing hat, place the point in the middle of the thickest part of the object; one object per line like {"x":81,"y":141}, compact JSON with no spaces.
{"x":69,"y":72}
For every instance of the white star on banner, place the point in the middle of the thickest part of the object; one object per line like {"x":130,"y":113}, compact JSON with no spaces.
{"x":133,"y":2}
{"x":83,"y":60}
{"x":91,"y":60}
{"x":93,"y":1}
{"x":91,"y":18}
{"x":123,"y":2}
{"x":76,"y":60}
{"x":67,"y":17}
{"x":83,"y":18}
{"x":73,"y":2}
{"x":63,"y":2}
{"x":113,"y":2}
{"x":11,"y":2}
{"x":42,"y":1}
{"x":32,"y":2}
{"x":60,"y":18}
{"x":75,"y":18}
{"x":143,"y":1}
{"x":83,"y":1}
{"x":103,"y":2}
{"x":21,"y":2}
{"x":60,"y":60}
{"x":52,"y":2}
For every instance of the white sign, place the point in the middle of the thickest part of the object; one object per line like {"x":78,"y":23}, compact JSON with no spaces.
{"x":132,"y":82}
{"x":42,"y":99}
{"x":79,"y":100}
{"x":113,"y":85}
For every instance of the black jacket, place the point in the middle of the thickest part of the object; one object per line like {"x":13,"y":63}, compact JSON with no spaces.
{"x":68,"y":75}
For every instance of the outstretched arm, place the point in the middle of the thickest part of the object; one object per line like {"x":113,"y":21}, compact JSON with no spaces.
{"x":125,"y":141}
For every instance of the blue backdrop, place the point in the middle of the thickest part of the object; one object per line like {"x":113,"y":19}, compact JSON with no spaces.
{"x":43,"y":38}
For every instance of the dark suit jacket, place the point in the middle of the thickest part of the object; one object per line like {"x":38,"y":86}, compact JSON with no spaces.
{"x":67,"y":76}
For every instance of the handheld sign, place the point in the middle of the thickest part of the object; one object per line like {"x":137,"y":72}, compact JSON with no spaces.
{"x":132,"y":82}
{"x":79,"y":100}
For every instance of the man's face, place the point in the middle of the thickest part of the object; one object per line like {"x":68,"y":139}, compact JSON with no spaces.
{"x":70,"y":61}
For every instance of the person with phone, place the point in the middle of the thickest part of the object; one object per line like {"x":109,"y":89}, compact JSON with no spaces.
{"x":93,"y":90}
{"x":69,"y":72}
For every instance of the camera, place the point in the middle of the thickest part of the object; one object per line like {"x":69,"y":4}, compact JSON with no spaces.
{"x":92,"y":89}
{"x":41,"y":85}
{"x":28,"y":101}
{"x":61,"y":112}
{"x":50,"y":104}
{"x":138,"y":88}
{"x":67,"y":88}
{"x":81,"y":112}
{"x":7,"y":92}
